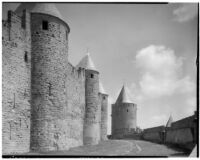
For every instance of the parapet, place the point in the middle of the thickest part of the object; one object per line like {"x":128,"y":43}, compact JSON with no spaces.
{"x":155,"y":129}
{"x":16,"y":24}
{"x":76,"y":73}
{"x":183,"y":123}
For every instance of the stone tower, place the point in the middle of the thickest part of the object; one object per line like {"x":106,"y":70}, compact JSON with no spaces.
{"x":49,"y":37}
{"x":103,"y":97}
{"x":91,"y":130}
{"x":123,"y":115}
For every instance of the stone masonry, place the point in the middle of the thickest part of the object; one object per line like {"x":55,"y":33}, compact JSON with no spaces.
{"x":48,"y":104}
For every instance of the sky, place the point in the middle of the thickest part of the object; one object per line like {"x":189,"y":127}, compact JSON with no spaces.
{"x":151,"y":48}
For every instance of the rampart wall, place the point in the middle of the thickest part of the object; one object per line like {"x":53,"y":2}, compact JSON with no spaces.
{"x":155,"y":134}
{"x":75,"y":83}
{"x":182,"y":132}
{"x":16,"y":67}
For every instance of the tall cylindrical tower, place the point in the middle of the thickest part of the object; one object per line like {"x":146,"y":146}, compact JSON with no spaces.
{"x":91,"y":130}
{"x":124,"y":115}
{"x":49,"y":61}
{"x":128,"y":117}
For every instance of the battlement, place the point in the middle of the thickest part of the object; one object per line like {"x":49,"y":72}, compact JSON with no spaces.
{"x":16,"y":26}
{"x":76,"y":73}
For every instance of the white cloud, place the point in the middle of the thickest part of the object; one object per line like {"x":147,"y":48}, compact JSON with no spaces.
{"x":185,"y":12}
{"x":191,"y":101}
{"x":161,"y":72}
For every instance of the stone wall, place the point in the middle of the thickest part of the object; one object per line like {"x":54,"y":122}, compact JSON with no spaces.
{"x":182,"y":132}
{"x":104,"y":115}
{"x":91,"y":133}
{"x":155,"y":134}
{"x":16,"y":66}
{"x":75,"y":83}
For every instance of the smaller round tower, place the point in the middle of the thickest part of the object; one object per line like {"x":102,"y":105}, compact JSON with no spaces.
{"x":103,"y":97}
{"x":91,"y":130}
{"x":123,"y":115}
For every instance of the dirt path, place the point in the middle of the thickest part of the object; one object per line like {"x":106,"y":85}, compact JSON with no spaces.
{"x":119,"y":148}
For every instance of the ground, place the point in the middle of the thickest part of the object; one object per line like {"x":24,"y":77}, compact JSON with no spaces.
{"x":119,"y":148}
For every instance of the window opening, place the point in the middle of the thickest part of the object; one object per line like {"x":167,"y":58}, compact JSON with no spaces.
{"x":45,"y":25}
{"x":26,"y":56}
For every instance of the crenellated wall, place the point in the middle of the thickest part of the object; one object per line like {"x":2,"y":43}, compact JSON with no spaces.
{"x":16,"y":67}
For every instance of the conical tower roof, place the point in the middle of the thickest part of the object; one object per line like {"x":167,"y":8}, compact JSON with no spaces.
{"x":44,"y":8}
{"x":169,"y":122}
{"x":87,"y":63}
{"x":123,"y":96}
{"x":101,"y":88}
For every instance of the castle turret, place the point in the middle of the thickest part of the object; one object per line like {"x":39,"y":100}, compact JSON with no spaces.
{"x":103,"y":97}
{"x":49,"y":38}
{"x":123,"y":115}
{"x":91,"y":130}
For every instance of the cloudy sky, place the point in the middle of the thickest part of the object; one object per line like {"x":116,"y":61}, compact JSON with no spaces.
{"x":150,"y":47}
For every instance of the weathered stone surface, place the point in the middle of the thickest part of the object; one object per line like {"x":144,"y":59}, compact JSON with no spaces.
{"x":104,"y":115}
{"x":123,"y":119}
{"x":48,"y":104}
{"x":91,"y":133}
{"x":16,"y":66}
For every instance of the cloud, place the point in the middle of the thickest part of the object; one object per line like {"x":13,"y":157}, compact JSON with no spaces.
{"x":161,"y":70}
{"x":185,"y":12}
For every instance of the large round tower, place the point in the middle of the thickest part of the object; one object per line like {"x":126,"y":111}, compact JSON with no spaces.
{"x":49,"y":36}
{"x":91,"y":130}
{"x":123,"y":115}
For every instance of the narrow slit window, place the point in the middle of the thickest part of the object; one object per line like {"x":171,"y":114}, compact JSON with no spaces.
{"x":26,"y":56}
{"x":45,"y":25}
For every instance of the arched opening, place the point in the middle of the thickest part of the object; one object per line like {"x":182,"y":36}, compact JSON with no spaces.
{"x":92,"y":75}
